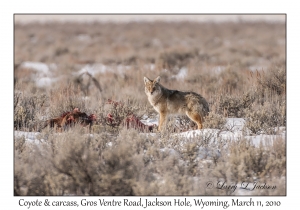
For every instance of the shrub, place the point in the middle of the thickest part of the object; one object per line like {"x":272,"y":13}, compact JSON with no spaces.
{"x":26,"y":109}
{"x":248,"y":163}
{"x":235,"y":106}
{"x":177,"y":58}
{"x":214,"y":121}
{"x":273,"y":80}
{"x":266,"y":118}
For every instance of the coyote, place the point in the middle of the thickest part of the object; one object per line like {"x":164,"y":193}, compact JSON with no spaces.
{"x":166,"y":101}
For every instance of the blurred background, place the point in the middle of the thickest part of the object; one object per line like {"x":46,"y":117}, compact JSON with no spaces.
{"x":106,"y":56}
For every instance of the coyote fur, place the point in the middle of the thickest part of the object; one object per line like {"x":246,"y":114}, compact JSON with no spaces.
{"x":166,"y":101}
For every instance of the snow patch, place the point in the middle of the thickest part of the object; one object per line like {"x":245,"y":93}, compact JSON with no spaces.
{"x":30,"y":137}
{"x":218,"y":69}
{"x":264,"y":139}
{"x":255,"y":68}
{"x":169,"y":151}
{"x":99,"y":68}
{"x":43,"y":73}
{"x":45,"y":81}
{"x":235,"y":134}
{"x":150,"y":66}
{"x":208,"y":153}
{"x":39,"y":67}
{"x":181,"y":74}
{"x":150,"y":121}
{"x":235,"y":124}
{"x":83,"y":37}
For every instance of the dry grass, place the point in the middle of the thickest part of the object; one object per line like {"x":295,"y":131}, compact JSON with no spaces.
{"x":134,"y":164}
{"x":238,"y":67}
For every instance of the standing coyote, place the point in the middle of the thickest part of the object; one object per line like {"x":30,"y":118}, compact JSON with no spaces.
{"x":166,"y":101}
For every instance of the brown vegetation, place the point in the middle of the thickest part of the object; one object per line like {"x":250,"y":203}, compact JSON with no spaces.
{"x":238,"y":67}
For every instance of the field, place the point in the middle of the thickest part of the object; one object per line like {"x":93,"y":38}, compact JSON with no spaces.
{"x":239,"y":67}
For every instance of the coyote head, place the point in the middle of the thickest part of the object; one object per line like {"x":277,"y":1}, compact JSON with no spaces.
{"x":152,"y":87}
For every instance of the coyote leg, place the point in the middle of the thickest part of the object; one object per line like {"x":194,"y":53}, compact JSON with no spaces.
{"x":195,"y":117}
{"x":162,"y":119}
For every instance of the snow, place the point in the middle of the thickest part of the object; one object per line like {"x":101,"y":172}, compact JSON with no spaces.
{"x":84,"y":37}
{"x":43,"y":73}
{"x":218,"y":69}
{"x":150,"y":67}
{"x":39,"y":67}
{"x":45,"y":81}
{"x":99,"y":68}
{"x":262,"y":138}
{"x":149,"y":121}
{"x":236,"y":133}
{"x":181,"y":74}
{"x":206,"y":152}
{"x":109,"y":144}
{"x":93,"y":69}
{"x":30,"y":137}
{"x":169,"y":151}
{"x":236,"y":124}
{"x":255,"y":68}
{"x":27,"y":135}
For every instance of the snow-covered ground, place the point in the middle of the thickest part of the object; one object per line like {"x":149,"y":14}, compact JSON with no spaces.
{"x":234,"y":131}
{"x":30,"y":137}
{"x":235,"y":124}
{"x":42,"y":73}
{"x":46,"y":74}
{"x":97,"y":68}
{"x":181,"y":74}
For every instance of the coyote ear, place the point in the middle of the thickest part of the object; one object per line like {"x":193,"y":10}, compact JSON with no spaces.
{"x":146,"y":80}
{"x":157,"y":79}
